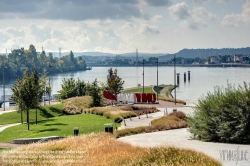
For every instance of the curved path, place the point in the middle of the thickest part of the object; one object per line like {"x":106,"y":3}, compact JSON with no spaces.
{"x":181,"y":138}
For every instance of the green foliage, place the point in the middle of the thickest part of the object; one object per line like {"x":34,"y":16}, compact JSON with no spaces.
{"x":27,"y":91}
{"x":21,"y":59}
{"x":223,"y":116}
{"x":114,"y":82}
{"x":95,"y":92}
{"x":72,"y":88}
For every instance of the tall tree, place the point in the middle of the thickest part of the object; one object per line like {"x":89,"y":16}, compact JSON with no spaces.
{"x":114,"y":82}
{"x":27,"y":91}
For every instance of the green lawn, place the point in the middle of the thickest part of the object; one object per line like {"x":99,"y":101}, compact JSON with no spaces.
{"x":3,"y":149}
{"x":146,"y":90}
{"x":43,"y":112}
{"x":57,"y":126}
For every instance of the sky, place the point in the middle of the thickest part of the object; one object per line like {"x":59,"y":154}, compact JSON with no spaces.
{"x":122,"y":26}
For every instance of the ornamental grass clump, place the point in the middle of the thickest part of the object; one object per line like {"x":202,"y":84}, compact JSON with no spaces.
{"x":223,"y":116}
{"x":99,"y":149}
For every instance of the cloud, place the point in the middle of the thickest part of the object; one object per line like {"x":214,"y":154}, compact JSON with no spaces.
{"x":149,"y":29}
{"x":179,"y":11}
{"x":158,"y":2}
{"x":201,"y":1}
{"x":194,"y":19}
{"x":237,"y":20}
{"x":69,"y":9}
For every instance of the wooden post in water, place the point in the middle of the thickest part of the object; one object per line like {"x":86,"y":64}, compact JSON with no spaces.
{"x":184,"y":76}
{"x":188,"y":75}
{"x":178,"y":78}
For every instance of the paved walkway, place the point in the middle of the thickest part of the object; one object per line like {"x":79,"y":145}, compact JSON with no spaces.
{"x":181,"y":138}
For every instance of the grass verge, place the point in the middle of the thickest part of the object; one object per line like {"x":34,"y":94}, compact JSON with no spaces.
{"x":57,"y":126}
{"x":102,"y":149}
{"x":44,"y":112}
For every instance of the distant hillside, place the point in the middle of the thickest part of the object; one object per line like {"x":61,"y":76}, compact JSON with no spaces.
{"x":193,"y":53}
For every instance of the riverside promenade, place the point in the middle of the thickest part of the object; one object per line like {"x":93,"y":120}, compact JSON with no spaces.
{"x":227,"y":154}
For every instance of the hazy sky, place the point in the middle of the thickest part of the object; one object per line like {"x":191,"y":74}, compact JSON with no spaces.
{"x":121,"y":26}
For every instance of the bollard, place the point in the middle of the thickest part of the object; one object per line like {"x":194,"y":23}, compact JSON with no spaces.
{"x":184,"y":76}
{"x":178,"y":79}
{"x":108,"y":128}
{"x":165,"y":111}
{"x":76,"y":131}
{"x":188,"y":75}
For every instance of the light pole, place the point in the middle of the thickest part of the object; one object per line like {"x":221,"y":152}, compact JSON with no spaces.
{"x":3,"y":87}
{"x":157,"y":78}
{"x":143,"y":75}
{"x":174,"y":81}
{"x":49,"y":83}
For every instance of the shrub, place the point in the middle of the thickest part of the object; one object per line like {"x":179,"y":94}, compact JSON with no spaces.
{"x":77,"y":105}
{"x":223,"y":116}
{"x":161,"y":124}
{"x":179,"y":114}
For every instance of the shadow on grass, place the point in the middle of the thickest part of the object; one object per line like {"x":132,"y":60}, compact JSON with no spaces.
{"x":55,"y":110}
{"x":50,"y":129}
{"x":45,"y":113}
{"x":55,"y":124}
{"x":41,"y":121}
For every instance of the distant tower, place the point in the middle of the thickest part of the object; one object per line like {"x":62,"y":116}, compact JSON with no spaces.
{"x":60,"y":53}
{"x":136,"y":56}
{"x":42,"y":48}
{"x":6,"y":53}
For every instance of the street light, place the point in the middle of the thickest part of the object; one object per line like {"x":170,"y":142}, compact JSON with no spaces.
{"x":157,"y":78}
{"x":174,"y":80}
{"x":143,"y":75}
{"x":3,"y":87}
{"x":49,"y":83}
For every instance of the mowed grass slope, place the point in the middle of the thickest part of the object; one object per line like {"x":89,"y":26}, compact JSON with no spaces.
{"x":57,"y":126}
{"x":43,"y":112}
{"x":140,"y":90}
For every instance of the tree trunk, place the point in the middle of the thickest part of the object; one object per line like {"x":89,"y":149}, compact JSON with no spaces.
{"x":28,"y":119}
{"x":36,"y":116}
{"x":21,"y":116}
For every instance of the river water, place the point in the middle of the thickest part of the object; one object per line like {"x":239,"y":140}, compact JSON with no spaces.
{"x":203,"y":79}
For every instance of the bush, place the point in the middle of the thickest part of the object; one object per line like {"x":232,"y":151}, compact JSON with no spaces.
{"x":161,"y":124}
{"x":179,"y":114}
{"x":223,"y":116}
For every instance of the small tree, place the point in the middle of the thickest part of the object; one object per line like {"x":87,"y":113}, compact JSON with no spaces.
{"x":72,"y":88}
{"x":94,"y":91}
{"x":27,"y":91}
{"x":114,"y":82}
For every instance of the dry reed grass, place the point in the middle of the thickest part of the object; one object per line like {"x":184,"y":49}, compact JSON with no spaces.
{"x":101,"y":149}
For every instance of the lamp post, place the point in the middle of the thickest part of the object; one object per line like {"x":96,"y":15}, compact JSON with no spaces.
{"x":3,"y":87}
{"x":143,"y":75}
{"x":174,"y":80}
{"x":157,"y":78}
{"x":49,"y":83}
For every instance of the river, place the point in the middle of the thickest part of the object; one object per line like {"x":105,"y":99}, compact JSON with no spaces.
{"x":203,"y":79}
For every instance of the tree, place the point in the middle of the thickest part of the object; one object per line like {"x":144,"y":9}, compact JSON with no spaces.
{"x":114,"y":82}
{"x":72,"y":88}
{"x":94,"y":91}
{"x":27,"y":92}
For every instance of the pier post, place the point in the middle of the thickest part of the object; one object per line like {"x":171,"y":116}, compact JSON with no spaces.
{"x":184,"y":76}
{"x":188,"y":75}
{"x":178,"y":78}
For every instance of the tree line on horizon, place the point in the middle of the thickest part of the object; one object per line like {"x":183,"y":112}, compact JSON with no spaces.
{"x":15,"y":63}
